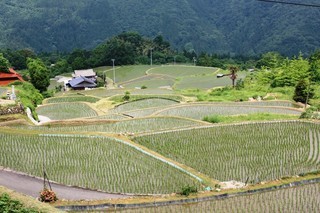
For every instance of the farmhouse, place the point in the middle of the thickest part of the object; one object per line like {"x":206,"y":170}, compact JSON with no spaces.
{"x":80,"y":83}
{"x":89,"y":74}
{"x":9,"y":77}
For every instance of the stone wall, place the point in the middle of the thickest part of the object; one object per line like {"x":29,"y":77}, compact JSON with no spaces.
{"x":10,"y":110}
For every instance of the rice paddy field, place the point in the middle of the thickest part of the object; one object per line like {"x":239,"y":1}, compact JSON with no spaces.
{"x":63,"y":111}
{"x":145,"y":103}
{"x":78,"y":98}
{"x":258,"y":152}
{"x":181,"y":71}
{"x":141,"y":125}
{"x":302,"y":199}
{"x":91,"y":162}
{"x":198,"y":111}
{"x":126,"y":73}
{"x":205,"y":81}
{"x":157,"y":142}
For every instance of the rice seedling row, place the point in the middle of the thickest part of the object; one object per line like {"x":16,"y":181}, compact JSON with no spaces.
{"x":143,"y":112}
{"x":148,"y":77}
{"x":298,"y":199}
{"x":269,"y":103}
{"x":151,"y":92}
{"x":127,"y":73}
{"x":179,"y":71}
{"x":153,"y":83}
{"x":63,"y":111}
{"x":200,"y":111}
{"x":260,"y":151}
{"x":145,"y":103}
{"x":111,"y":117}
{"x":118,"y":98}
{"x":92,"y":162}
{"x":89,"y":99}
{"x":132,"y":125}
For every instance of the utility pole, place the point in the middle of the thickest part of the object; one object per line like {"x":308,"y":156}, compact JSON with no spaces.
{"x":114,"y":72}
{"x":194,"y":61}
{"x":151,"y":56}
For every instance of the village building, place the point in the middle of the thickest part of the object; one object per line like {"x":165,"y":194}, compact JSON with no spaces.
{"x":81,"y":83}
{"x":9,"y":77}
{"x":89,"y":74}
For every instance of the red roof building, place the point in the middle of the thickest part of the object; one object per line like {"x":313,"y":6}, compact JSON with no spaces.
{"x":11,"y":76}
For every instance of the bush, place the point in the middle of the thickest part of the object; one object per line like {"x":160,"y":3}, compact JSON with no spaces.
{"x":144,"y":87}
{"x":100,"y":82}
{"x":48,"y":94}
{"x":239,"y":84}
{"x":310,"y":113}
{"x":212,"y":119}
{"x":187,"y":190}
{"x":9,"y":205}
{"x":126,"y":96}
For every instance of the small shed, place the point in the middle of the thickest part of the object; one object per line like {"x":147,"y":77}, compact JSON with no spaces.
{"x":80,"y":83}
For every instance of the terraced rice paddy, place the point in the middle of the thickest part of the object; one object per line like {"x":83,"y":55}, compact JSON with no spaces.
{"x":257,"y":152}
{"x":153,"y":83}
{"x":250,"y":153}
{"x":111,"y":117}
{"x":93,"y":162}
{"x":205,"y":81}
{"x":126,"y":73}
{"x":63,"y":111}
{"x":89,"y":99}
{"x":302,"y":199}
{"x":118,"y":98}
{"x":132,"y":125}
{"x":198,"y":111}
{"x":181,"y":71}
{"x":142,"y":112}
{"x":145,"y":103}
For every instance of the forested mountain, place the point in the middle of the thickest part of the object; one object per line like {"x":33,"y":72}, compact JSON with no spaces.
{"x":246,"y":27}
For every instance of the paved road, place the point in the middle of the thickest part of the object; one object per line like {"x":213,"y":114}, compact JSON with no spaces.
{"x":32,"y":186}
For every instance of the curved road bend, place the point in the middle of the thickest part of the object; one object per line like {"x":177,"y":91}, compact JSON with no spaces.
{"x":32,"y":186}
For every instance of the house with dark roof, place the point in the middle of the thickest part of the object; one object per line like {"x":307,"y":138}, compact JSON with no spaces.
{"x":80,"y":83}
{"x":9,"y":77}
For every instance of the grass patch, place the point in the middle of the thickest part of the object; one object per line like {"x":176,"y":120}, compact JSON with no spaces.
{"x":230,"y":94}
{"x":249,"y":117}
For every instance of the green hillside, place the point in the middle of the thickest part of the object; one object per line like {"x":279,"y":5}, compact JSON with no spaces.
{"x":240,"y":27}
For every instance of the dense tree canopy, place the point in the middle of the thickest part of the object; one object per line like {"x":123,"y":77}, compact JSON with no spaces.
{"x":4,"y":64}
{"x":39,"y":74}
{"x":246,"y":27}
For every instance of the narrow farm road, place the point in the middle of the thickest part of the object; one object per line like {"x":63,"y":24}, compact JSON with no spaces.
{"x":32,"y":186}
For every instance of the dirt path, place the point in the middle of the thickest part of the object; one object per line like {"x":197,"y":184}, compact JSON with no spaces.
{"x":32,"y":186}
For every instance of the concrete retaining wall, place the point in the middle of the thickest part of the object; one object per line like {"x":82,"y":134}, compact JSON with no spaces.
{"x":188,"y":200}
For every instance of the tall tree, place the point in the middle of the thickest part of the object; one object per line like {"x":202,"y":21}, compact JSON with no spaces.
{"x":39,"y":74}
{"x":303,"y":92}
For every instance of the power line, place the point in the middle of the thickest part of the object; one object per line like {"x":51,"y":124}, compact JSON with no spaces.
{"x":291,"y":3}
